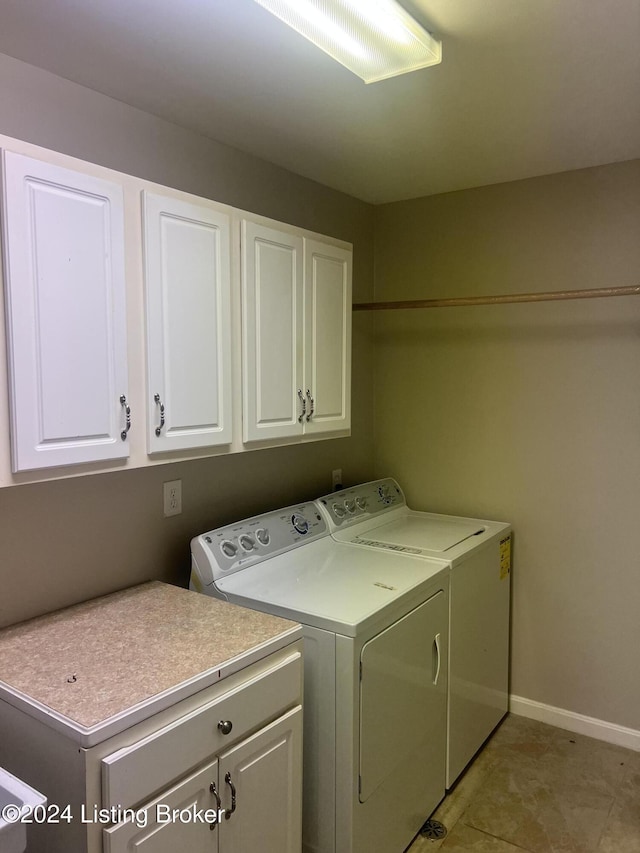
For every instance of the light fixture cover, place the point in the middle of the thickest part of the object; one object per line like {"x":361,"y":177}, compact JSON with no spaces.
{"x":375,"y":39}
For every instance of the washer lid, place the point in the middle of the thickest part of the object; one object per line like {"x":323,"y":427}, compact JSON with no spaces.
{"x":331,"y":585}
{"x":436,"y":534}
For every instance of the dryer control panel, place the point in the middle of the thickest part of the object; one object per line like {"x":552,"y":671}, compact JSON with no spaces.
{"x":368,"y":500}
{"x":225,"y":550}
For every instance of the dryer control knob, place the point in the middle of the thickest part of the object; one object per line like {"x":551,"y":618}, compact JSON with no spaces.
{"x":300,"y":523}
{"x":338,"y":511}
{"x":229,"y":549}
{"x":361,"y":503}
{"x":262,"y":535}
{"x":246,"y":542}
{"x":350,"y":505}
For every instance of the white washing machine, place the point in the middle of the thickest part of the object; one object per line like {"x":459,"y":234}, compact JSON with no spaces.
{"x":375,"y":629}
{"x":375,"y":517}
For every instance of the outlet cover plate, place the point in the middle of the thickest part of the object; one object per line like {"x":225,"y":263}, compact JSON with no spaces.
{"x":172,"y":494}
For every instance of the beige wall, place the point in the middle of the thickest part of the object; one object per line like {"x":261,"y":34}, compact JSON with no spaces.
{"x":528,"y":413}
{"x":68,"y":540}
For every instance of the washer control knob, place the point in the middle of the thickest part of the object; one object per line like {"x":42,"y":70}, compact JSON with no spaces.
{"x":225,"y":726}
{"x":338,"y":510}
{"x":262,"y":535}
{"x":300,"y":523}
{"x":246,"y":542}
{"x":350,"y":506}
{"x":228,"y":548}
{"x":361,"y":503}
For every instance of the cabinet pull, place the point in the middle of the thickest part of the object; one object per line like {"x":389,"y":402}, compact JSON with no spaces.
{"x":304,"y":406}
{"x":159,"y":402}
{"x":230,"y":811}
{"x":312,"y":406}
{"x":127,"y":411}
{"x":214,"y":791}
{"x":225,"y":726}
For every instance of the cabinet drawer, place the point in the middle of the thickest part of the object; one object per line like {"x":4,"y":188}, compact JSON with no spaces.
{"x":134,"y":773}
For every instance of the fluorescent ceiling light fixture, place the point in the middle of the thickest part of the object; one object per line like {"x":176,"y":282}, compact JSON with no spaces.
{"x":375,"y":39}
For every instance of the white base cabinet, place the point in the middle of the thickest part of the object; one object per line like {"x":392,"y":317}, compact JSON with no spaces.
{"x":250,"y":797}
{"x":220,"y":771}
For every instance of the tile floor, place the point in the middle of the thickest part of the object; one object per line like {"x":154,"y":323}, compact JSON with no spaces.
{"x":539,"y":789}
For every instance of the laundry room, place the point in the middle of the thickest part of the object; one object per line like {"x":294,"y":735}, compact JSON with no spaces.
{"x":510,"y":168}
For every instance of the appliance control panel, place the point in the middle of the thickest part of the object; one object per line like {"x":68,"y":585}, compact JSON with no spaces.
{"x":220,"y":552}
{"x":360,"y":502}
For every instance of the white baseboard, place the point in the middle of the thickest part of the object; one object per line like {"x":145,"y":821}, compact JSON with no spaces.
{"x":600,"y":729}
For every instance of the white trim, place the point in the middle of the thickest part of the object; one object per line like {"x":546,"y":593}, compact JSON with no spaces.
{"x":600,"y":729}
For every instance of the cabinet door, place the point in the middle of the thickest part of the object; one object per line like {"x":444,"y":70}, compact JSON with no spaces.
{"x":327,"y":351}
{"x":180,"y":819}
{"x":266,"y":773}
{"x":183,"y":818}
{"x":66,"y":315}
{"x":188,"y":282}
{"x":272,"y":284}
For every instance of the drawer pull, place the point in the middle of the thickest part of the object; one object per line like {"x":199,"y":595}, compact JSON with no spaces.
{"x":230,"y":811}
{"x":225,"y":726}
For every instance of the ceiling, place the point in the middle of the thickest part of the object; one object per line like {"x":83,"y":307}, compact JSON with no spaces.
{"x":526,"y":87}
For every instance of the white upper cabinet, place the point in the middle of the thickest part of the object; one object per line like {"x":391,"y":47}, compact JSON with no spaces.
{"x":66,"y":315}
{"x":129,"y":301}
{"x":188,"y":281}
{"x":327,"y":337}
{"x":272,"y":306}
{"x":296,"y":334}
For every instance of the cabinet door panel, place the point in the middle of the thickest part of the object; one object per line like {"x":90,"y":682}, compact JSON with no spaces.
{"x":266,"y":771}
{"x":173,"y":821}
{"x":65,"y":295}
{"x":272,"y":332}
{"x":188,"y":323}
{"x":328,"y":336}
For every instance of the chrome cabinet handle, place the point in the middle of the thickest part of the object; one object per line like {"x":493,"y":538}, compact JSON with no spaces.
{"x":230,"y":811}
{"x":436,"y":655}
{"x":225,"y":726}
{"x":214,"y":791}
{"x":312,"y":405}
{"x":127,"y":410}
{"x":304,"y":406}
{"x":159,"y":402}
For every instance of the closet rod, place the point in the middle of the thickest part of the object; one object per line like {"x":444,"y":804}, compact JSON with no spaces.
{"x":550,"y":296}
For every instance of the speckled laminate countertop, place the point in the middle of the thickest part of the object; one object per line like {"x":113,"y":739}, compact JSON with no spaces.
{"x":95,"y":661}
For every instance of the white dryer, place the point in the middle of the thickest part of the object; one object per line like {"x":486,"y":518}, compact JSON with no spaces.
{"x":375,"y":517}
{"x":375,"y":629}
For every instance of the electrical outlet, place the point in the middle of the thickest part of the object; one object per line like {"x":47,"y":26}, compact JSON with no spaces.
{"x":336,"y":479}
{"x":172,"y":492}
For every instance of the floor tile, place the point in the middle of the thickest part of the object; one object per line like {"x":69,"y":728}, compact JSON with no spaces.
{"x":465,"y":838}
{"x":591,"y":761}
{"x":534,"y":788}
{"x":622,"y":830}
{"x":536,"y":804}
